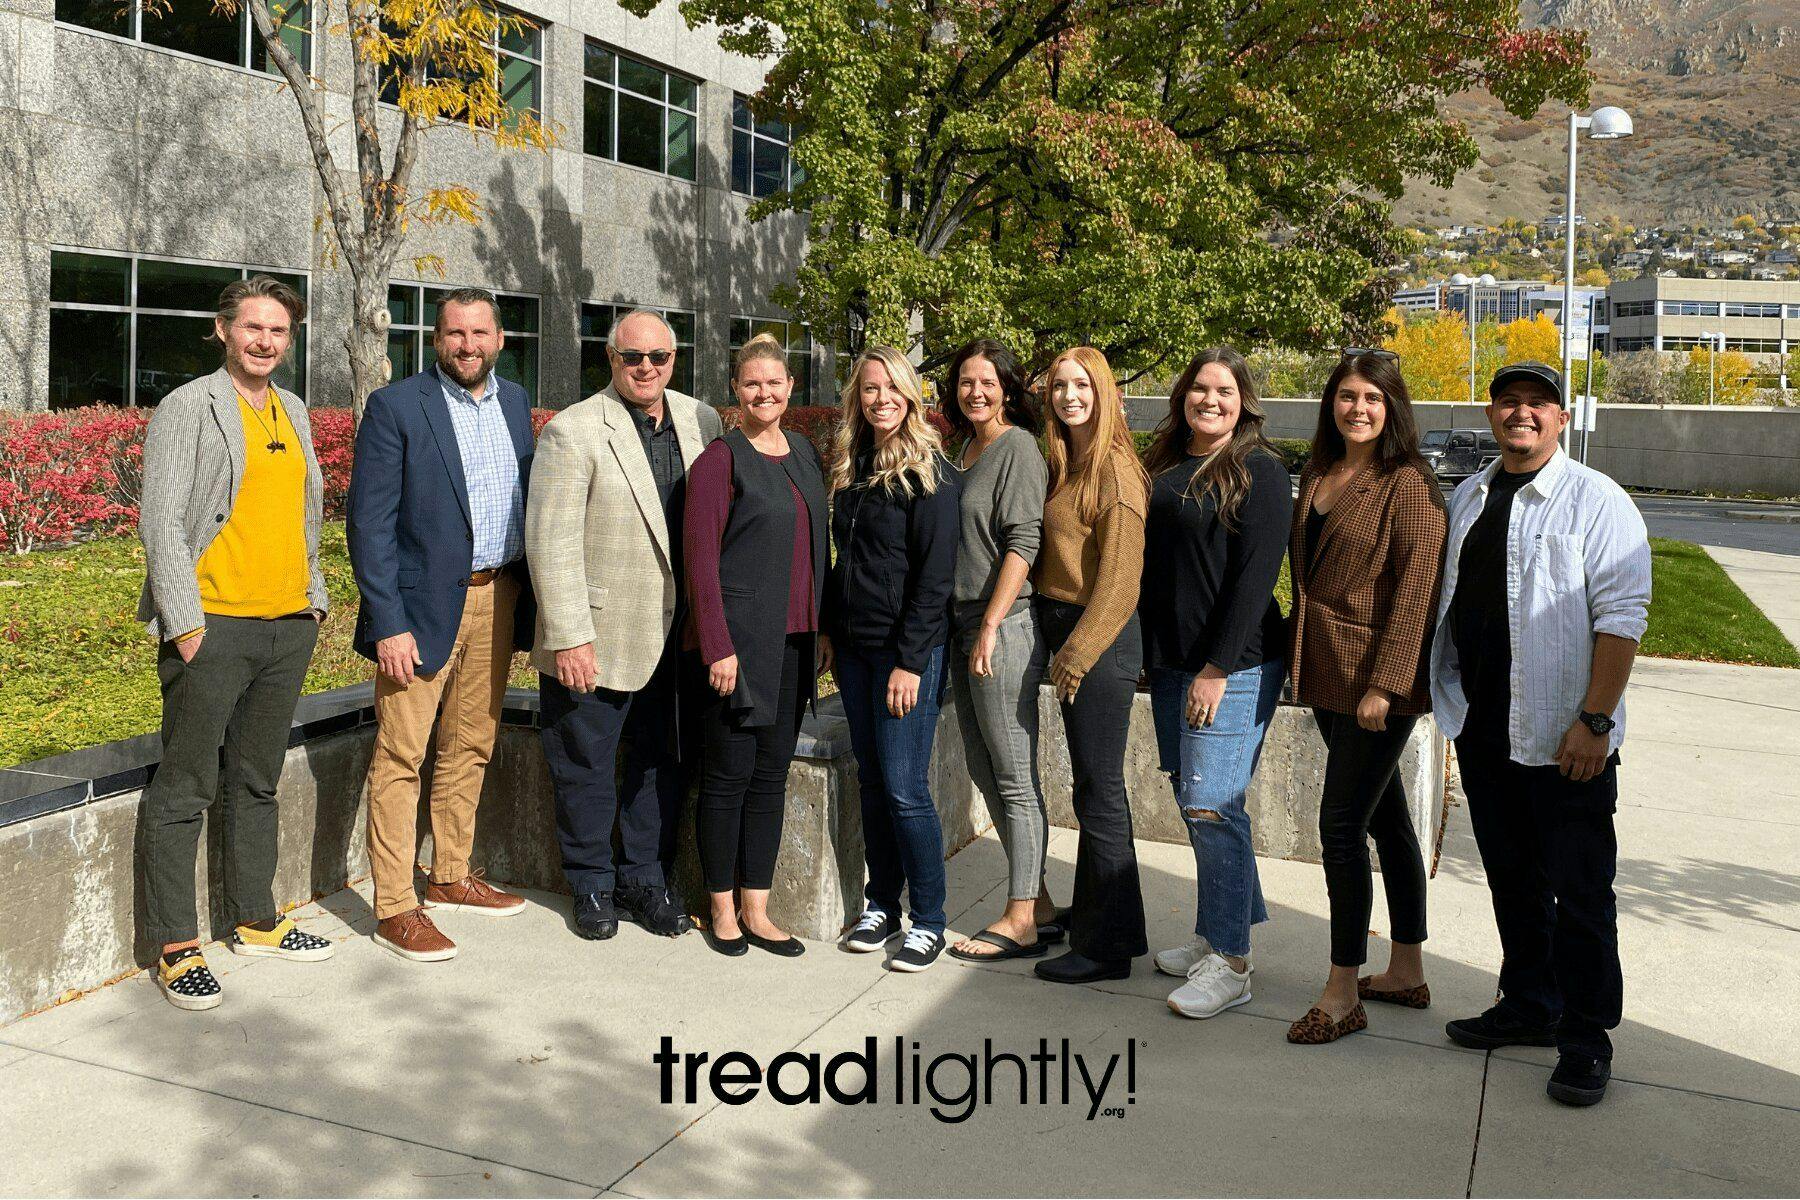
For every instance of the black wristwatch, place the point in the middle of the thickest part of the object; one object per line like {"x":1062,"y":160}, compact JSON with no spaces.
{"x":1598,"y":723}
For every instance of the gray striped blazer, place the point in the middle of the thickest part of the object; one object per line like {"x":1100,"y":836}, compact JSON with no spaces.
{"x":193,"y":463}
{"x":596,"y":538}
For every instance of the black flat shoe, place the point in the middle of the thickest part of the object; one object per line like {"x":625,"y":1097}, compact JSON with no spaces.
{"x":789,"y":947}
{"x":1579,"y":1080}
{"x":1078,"y":968}
{"x":1496,"y":1028}
{"x":735,"y":947}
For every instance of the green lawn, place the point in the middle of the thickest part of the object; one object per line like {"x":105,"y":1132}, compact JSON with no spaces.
{"x":79,"y":670}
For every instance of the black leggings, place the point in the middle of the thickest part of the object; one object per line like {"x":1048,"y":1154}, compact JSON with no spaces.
{"x":1363,"y":797}
{"x":743,"y":788}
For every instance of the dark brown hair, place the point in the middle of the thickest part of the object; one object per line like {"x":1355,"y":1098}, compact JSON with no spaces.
{"x":466,"y":295}
{"x":1222,"y":472}
{"x":1398,"y":443}
{"x":260,"y":287}
{"x":1016,"y":401}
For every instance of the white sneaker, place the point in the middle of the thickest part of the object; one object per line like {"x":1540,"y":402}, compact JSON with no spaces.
{"x":1212,"y":987}
{"x":1180,"y":960}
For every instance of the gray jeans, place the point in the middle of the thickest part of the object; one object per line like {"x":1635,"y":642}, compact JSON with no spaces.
{"x":999,"y":718}
{"x":238,"y":694}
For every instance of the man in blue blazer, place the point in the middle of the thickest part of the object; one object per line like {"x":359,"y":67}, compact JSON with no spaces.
{"x":437,"y":539}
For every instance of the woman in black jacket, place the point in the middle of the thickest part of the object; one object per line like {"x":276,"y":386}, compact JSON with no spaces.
{"x":895,"y":521}
{"x":754,"y":549}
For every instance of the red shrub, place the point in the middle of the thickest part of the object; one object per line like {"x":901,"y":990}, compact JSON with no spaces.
{"x":67,"y":476}
{"x":334,"y":445}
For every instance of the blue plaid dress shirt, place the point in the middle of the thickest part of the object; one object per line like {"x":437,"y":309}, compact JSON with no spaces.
{"x":491,"y":470}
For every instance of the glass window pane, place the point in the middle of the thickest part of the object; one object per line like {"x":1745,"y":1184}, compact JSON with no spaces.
{"x":770,"y":168}
{"x":518,"y":314}
{"x":740,"y":161}
{"x":683,"y":325}
{"x":295,"y":22}
{"x":596,"y":320}
{"x":777,"y":130}
{"x":291,"y":374}
{"x":801,"y":366}
{"x":89,"y":278}
{"x":297,"y":282}
{"x":518,"y":361}
{"x":597,"y":121}
{"x":597,"y":61}
{"x":641,"y":132}
{"x":683,"y":92}
{"x":740,"y":113}
{"x":518,"y":84}
{"x":87,"y":358}
{"x":403,"y":354}
{"x":182,"y":285}
{"x":740,"y":331}
{"x":682,"y":378}
{"x":403,"y":304}
{"x":596,"y":369}
{"x":640,"y":78}
{"x":523,"y":40}
{"x":428,"y":309}
{"x":681,"y":145}
{"x":171,"y":351}
{"x":192,"y":26}
{"x":108,"y":16}
{"x":778,"y":328}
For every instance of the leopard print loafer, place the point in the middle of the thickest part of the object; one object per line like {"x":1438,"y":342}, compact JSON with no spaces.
{"x":1316,"y":1027}
{"x":1412,"y":997}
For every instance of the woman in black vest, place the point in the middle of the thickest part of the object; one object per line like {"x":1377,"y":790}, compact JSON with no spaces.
{"x":754,"y":546}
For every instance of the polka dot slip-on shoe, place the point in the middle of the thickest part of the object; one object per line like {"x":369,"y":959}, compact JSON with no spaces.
{"x":284,"y":941}
{"x":188,"y":984}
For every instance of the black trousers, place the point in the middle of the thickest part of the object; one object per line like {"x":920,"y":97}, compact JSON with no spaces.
{"x":1108,"y":904}
{"x":1548,"y":846}
{"x":1363,"y":798}
{"x":743,"y":786}
{"x":581,"y":735}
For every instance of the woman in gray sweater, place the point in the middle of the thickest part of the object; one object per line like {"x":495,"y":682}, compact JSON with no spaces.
{"x":998,"y":660}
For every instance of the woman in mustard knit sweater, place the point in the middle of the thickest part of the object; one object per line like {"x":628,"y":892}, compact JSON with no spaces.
{"x":1086,"y":581}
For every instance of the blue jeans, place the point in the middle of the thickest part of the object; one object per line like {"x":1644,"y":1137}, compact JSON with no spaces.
{"x":1210,"y":771}
{"x":902,"y":838}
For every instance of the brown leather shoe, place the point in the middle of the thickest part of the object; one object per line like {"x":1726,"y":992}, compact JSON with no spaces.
{"x":1412,"y":997}
{"x":412,"y":936}
{"x":473,"y":894}
{"x":1316,"y":1027}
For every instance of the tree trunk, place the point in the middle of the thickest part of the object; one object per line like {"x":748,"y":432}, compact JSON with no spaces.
{"x":366,"y":341}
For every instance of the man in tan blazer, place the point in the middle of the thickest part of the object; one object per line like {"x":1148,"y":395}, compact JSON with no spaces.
{"x":603,"y":539}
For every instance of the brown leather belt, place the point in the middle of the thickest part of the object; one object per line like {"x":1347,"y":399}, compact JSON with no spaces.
{"x":483,"y":578}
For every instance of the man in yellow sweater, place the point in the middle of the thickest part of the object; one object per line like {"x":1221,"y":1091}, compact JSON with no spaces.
{"x":230,"y":525}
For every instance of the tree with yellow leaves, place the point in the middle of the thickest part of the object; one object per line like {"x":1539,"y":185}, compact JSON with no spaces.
{"x":1538,"y":339}
{"x":1731,"y":380}
{"x":1434,"y":356}
{"x":434,"y":60}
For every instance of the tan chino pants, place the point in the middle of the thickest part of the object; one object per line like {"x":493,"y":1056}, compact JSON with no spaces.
{"x":469,"y":689}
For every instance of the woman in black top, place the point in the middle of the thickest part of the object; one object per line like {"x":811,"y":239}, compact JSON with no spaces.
{"x":754,"y":550}
{"x":1220,"y":505}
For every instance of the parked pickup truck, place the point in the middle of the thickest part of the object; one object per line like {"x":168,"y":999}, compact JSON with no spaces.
{"x":1458,"y":453}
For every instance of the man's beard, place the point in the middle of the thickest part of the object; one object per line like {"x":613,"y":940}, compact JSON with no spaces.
{"x":481,"y":372}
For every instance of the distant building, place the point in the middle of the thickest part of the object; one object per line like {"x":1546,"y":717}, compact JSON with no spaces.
{"x":1761,"y":318}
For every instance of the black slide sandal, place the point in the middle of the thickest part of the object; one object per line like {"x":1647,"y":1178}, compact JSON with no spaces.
{"x":1008,"y":948}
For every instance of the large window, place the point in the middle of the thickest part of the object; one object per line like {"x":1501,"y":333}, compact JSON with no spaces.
{"x":794,"y":337}
{"x":1754,"y":345}
{"x":1690,"y":343}
{"x":127,"y":330}
{"x":1627,"y":345}
{"x":597,"y":321}
{"x":518,"y":69}
{"x":192,"y":27}
{"x":1690,"y":308}
{"x":413,"y":308}
{"x":1634,"y":308}
{"x":638,"y":114}
{"x":761,"y":162}
{"x":1753,"y":310}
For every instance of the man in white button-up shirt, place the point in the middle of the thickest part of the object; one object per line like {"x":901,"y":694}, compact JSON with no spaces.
{"x":1546,"y":591}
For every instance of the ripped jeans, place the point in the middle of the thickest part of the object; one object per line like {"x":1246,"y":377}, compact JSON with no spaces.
{"x":1210,"y":771}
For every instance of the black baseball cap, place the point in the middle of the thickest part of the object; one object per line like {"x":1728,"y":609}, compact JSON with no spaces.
{"x":1537,"y":372}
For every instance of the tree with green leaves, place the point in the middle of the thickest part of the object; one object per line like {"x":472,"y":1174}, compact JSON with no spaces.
{"x":1142,"y":176}
{"x":435,"y":61}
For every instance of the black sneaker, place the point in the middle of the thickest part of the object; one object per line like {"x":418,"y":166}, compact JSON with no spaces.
{"x":595,"y":917}
{"x":1496,"y":1028}
{"x":873,"y":930}
{"x":920,"y":949}
{"x":650,"y":907}
{"x":1579,"y":1080}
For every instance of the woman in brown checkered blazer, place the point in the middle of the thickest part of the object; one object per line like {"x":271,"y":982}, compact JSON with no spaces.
{"x":1366,"y":551}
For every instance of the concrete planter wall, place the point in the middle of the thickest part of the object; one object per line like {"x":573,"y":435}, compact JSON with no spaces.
{"x":71,"y":894}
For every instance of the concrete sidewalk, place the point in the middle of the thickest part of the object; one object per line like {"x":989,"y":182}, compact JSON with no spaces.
{"x":524,"y":1066}
{"x":1772,"y":581}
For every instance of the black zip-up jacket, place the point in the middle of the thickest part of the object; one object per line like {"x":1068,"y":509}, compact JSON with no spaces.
{"x":891,"y":581}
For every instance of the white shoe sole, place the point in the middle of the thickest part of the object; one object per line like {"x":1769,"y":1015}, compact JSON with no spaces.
{"x":480,"y":910}
{"x":868,"y":947}
{"x":251,"y":951}
{"x":415,"y":955}
{"x":1183,"y":973}
{"x":191,"y":1003}
{"x":911,"y":968}
{"x":1201,"y":1016}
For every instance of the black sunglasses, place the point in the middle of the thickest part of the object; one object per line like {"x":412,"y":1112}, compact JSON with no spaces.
{"x":658,"y":358}
{"x":1370,"y":352}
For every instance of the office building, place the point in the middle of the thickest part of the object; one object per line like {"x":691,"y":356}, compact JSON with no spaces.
{"x":1761,"y":318}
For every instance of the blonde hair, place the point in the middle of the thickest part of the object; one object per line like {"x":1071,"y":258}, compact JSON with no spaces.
{"x":762,"y":346}
{"x":1111,"y":441}
{"x":908,"y":458}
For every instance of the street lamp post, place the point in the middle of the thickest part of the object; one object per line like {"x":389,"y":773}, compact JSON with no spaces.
{"x":1469,"y":282}
{"x":1715,"y":346}
{"x":1605,"y":125}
